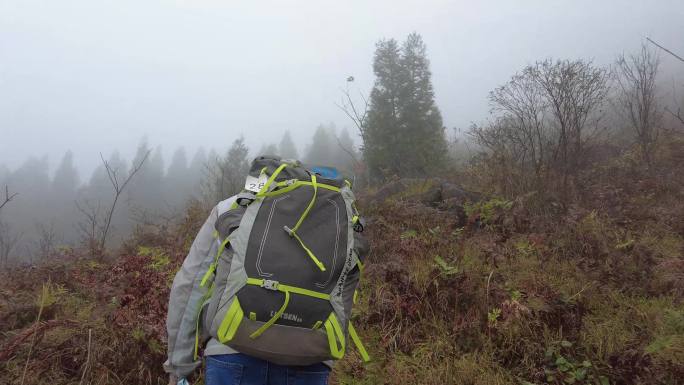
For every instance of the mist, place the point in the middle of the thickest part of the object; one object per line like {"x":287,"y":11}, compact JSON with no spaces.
{"x":99,"y":77}
{"x":86,"y":82}
{"x":495,"y":186}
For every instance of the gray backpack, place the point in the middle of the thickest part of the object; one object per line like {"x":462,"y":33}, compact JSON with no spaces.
{"x":283,"y":282}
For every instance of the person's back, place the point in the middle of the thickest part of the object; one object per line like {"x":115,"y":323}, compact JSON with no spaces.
{"x":259,"y":330}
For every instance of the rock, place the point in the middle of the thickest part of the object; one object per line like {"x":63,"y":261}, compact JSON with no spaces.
{"x":388,"y":191}
{"x":434,"y":192}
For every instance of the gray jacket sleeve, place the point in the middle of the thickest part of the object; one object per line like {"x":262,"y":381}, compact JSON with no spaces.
{"x":185,"y":298}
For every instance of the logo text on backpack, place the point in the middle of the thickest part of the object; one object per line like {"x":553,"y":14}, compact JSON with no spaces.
{"x":289,"y":317}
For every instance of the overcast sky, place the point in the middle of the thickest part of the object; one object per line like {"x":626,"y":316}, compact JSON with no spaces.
{"x":93,"y":76}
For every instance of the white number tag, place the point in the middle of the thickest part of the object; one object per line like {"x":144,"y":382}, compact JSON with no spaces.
{"x":255,"y":184}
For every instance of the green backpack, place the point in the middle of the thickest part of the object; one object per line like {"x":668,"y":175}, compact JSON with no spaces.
{"x":284,"y":279}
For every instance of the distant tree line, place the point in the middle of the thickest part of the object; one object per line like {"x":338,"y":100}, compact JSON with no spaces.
{"x":63,"y":211}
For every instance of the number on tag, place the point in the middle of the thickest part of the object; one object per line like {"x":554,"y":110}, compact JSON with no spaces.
{"x":255,"y":184}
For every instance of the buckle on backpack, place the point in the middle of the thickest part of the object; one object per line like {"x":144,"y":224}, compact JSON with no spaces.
{"x":269,"y":284}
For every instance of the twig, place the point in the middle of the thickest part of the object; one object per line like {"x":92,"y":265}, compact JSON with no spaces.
{"x":348,"y":151}
{"x":580,"y":292}
{"x":665,"y":49}
{"x":349,"y":108}
{"x":86,"y":366}
{"x":11,"y":347}
{"x":677,"y":115}
{"x":489,"y":278}
{"x":118,"y":188}
{"x":43,"y":299}
{"x":8,"y":197}
{"x":487,"y":297}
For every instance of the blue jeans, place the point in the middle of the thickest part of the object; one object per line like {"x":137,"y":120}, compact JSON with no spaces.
{"x":241,"y":369}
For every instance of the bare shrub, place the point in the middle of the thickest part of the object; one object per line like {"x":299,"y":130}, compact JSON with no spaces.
{"x":47,"y":239}
{"x":544,"y":116}
{"x":8,"y":242}
{"x":637,"y":98}
{"x":95,"y":226}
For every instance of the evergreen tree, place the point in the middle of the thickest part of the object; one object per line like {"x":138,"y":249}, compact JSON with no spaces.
{"x":287,"y":148}
{"x":235,"y":167}
{"x":196,"y":171}
{"x":63,"y":194}
{"x":32,"y":181}
{"x":321,"y":150}
{"x":65,"y":181}
{"x":146,"y":191}
{"x":382,"y":128}
{"x":345,"y":153}
{"x":225,"y":176}
{"x":269,"y":149}
{"x":177,"y":184}
{"x":423,"y":143}
{"x":98,"y":195}
{"x":99,"y":189}
{"x":4,"y":174}
{"x":404,"y":133}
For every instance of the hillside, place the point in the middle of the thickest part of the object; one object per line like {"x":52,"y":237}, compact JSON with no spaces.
{"x":498,"y":291}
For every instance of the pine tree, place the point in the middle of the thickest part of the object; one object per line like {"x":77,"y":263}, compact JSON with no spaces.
{"x":345,"y":153}
{"x":32,"y":181}
{"x":99,"y":189}
{"x":146,"y":190}
{"x":287,"y":148}
{"x":322,"y":148}
{"x":379,"y":147}
{"x":236,"y":166}
{"x":178,"y":183}
{"x":4,"y":174}
{"x":65,"y":182}
{"x":225,"y":176}
{"x":404,"y":133}
{"x":196,"y":172}
{"x":424,"y":146}
{"x":62,"y":196}
{"x":269,"y":149}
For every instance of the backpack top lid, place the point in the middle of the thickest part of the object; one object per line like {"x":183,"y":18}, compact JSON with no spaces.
{"x":296,"y":170}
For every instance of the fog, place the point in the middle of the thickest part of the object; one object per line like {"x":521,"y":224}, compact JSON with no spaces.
{"x":98,"y":76}
{"x":179,"y":83}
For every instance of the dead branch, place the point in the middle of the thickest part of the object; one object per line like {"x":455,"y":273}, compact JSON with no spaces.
{"x":8,"y":241}
{"x":118,"y":187}
{"x":665,"y":49}
{"x":8,"y":198}
{"x":677,"y":115}
{"x":91,"y":226}
{"x":37,"y":329}
{"x":357,"y":115}
{"x":47,"y":238}
{"x":348,"y":151}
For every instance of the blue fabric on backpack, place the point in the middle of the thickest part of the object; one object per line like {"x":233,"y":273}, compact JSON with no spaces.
{"x":327,"y":172}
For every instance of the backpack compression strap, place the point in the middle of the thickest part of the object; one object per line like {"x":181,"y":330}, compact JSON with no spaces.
{"x":292,"y":232}
{"x":287,"y":289}
{"x":332,"y":326}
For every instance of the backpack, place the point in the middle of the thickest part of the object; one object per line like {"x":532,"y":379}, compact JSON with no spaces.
{"x":284,"y":278}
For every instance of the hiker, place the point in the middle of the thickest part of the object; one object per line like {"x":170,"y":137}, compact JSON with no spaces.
{"x":266,"y":291}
